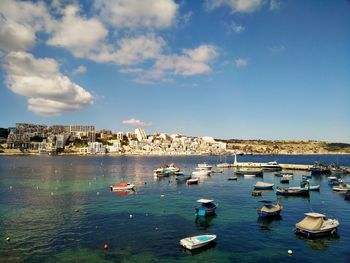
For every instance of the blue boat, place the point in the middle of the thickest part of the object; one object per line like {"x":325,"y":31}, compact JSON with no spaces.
{"x":269,"y":209}
{"x":334,"y":180}
{"x":263,"y":186}
{"x":206,"y":208}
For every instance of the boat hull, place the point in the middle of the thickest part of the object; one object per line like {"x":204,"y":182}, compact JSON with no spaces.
{"x":308,"y":233}
{"x":292,"y":192}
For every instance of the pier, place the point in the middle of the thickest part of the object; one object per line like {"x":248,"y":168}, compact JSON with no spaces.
{"x":287,"y":166}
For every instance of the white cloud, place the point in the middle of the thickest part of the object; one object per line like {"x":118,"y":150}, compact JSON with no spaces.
{"x":137,"y":14}
{"x":275,"y":5}
{"x":236,"y":28}
{"x":20,"y":21}
{"x":79,"y":35}
{"x":135,"y":122}
{"x":80,"y":69}
{"x":241,"y":62}
{"x":243,"y":6}
{"x":130,"y":50}
{"x":49,"y":92}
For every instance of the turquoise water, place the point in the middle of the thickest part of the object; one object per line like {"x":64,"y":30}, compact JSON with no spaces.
{"x":60,"y":209}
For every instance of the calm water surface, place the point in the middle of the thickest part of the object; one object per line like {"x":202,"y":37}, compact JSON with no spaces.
{"x":40,"y":196}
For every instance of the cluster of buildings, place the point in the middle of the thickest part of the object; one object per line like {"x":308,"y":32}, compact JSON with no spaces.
{"x":82,"y":139}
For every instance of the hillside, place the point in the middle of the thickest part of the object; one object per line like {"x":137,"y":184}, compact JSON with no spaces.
{"x":286,"y":147}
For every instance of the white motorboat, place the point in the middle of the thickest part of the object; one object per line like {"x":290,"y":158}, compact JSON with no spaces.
{"x":272,"y":166}
{"x":192,"y":181}
{"x":223,"y":165}
{"x":315,"y":224}
{"x":122,"y":187}
{"x":204,"y":166}
{"x":249,"y":175}
{"x":197,"y":241}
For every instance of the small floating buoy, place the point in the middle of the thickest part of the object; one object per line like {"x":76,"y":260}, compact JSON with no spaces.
{"x":105,"y":246}
{"x":98,"y":193}
{"x":51,"y":193}
{"x":130,"y":216}
{"x":37,"y":188}
{"x":146,"y":214}
{"x":10,"y":187}
{"x":161,"y":195}
{"x":156,"y":229}
{"x":77,"y":210}
{"x":290,"y":252}
{"x":8,"y":239}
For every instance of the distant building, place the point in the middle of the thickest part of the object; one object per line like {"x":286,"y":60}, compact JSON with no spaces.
{"x":140,"y":134}
{"x":80,"y":131}
{"x":131,"y":135}
{"x":96,"y":147}
{"x":120,"y":135}
{"x":31,"y":129}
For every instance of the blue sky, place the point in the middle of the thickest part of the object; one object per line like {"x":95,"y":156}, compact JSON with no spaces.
{"x":262,"y":69}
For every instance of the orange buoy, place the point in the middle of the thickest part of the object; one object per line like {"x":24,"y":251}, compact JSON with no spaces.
{"x":105,"y":246}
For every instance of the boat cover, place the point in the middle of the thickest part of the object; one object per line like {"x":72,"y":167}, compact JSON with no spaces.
{"x":311,"y":223}
{"x":270,"y":208}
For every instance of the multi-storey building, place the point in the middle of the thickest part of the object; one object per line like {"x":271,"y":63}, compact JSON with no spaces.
{"x":140,"y":134}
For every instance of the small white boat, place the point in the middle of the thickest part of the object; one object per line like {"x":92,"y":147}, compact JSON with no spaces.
{"x":192,"y":181}
{"x":263,"y":186}
{"x":315,"y":224}
{"x":250,"y":175}
{"x":287,"y":176}
{"x":341,"y":188}
{"x":122,"y":187}
{"x":204,"y":166}
{"x":197,"y":241}
{"x":201,"y":173}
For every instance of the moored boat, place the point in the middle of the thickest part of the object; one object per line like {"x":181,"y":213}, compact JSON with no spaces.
{"x":263,"y":186}
{"x":311,"y":187}
{"x":292,"y":192}
{"x":272,"y":166}
{"x":122,"y":187}
{"x":204,"y":166}
{"x":192,"y":181}
{"x":332,"y":180}
{"x":284,"y":174}
{"x":284,"y":181}
{"x":232,"y":178}
{"x":206,"y":208}
{"x":316,"y":224}
{"x":269,"y":209}
{"x":197,"y":241}
{"x":242,"y":172}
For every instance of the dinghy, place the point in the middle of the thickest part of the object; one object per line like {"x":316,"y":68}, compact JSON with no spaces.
{"x":197,"y":241}
{"x":192,"y":181}
{"x":232,"y":178}
{"x":206,"y":208}
{"x":269,"y":209}
{"x":263,"y":186}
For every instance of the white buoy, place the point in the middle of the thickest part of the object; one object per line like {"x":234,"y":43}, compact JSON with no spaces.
{"x":290,"y":252}
{"x":130,"y":216}
{"x":51,"y":193}
{"x":11,"y":188}
{"x":161,"y":195}
{"x":98,"y":193}
{"x":8,"y":239}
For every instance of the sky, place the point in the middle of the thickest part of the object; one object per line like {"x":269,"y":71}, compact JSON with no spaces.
{"x":245,"y":69}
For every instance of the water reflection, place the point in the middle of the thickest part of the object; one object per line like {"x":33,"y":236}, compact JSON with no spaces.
{"x":204,"y":221}
{"x":319,"y":243}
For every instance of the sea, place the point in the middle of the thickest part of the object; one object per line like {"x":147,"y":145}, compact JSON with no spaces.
{"x":61,"y":209}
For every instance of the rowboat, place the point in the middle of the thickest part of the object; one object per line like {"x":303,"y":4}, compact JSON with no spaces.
{"x":269,"y":209}
{"x":197,"y":241}
{"x":231,"y":178}
{"x":206,"y":208}
{"x":315,"y":224}
{"x":122,"y":187}
{"x":292,"y":192}
{"x":311,"y":187}
{"x":263,"y":186}
{"x":192,"y":181}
